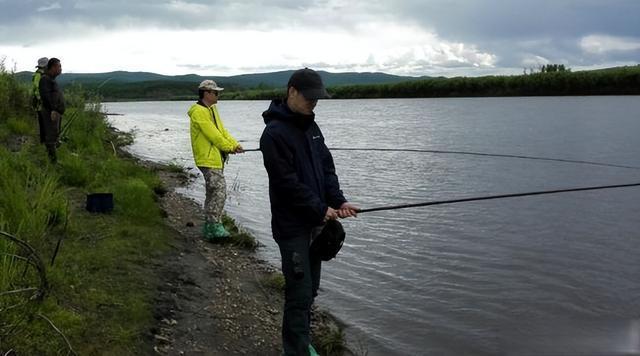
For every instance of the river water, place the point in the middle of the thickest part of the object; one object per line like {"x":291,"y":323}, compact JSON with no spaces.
{"x":477,"y":278}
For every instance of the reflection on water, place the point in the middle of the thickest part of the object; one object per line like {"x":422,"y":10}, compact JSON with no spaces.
{"x":453,"y":279}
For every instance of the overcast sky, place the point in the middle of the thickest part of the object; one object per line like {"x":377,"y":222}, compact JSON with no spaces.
{"x":407,"y":37}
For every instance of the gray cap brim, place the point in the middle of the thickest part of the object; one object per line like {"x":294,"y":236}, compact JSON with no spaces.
{"x":315,"y":94}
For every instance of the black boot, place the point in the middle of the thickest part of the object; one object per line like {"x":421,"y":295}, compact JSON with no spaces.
{"x":51,"y":152}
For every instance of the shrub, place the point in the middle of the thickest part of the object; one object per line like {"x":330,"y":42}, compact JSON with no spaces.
{"x":134,"y":199}
{"x":275,"y":281}
{"x":29,"y":197}
{"x":175,"y":167}
{"x":18,"y":127}
{"x":330,"y":339}
{"x":74,"y":171}
{"x":239,"y":237}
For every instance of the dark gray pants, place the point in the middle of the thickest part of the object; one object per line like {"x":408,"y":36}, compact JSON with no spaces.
{"x":49,"y":133}
{"x":302,"y":279}
{"x":41,"y":125}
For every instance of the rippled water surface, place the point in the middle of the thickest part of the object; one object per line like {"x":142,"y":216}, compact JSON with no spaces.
{"x":461,"y":279}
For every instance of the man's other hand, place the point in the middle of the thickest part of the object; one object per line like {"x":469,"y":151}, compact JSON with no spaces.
{"x":347,"y":210}
{"x":331,"y":214}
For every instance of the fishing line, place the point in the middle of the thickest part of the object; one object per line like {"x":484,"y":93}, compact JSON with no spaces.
{"x":474,"y":154}
{"x":502,"y":196}
{"x":490,"y":197}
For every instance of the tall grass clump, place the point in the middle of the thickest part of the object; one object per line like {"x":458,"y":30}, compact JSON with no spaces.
{"x":14,"y":96}
{"x":101,"y":286}
{"x":134,"y":199}
{"x":18,"y":126}
{"x":239,"y":237}
{"x":75,"y":171}
{"x":32,"y":203}
{"x":30,"y":198}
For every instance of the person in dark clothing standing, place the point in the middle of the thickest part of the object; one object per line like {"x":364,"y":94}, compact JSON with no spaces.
{"x":52,"y":106}
{"x":305,"y":193}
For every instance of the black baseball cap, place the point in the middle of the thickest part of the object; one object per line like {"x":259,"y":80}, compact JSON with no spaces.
{"x":308,"y":82}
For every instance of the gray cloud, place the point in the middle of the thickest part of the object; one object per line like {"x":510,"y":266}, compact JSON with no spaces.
{"x":491,"y":19}
{"x":512,"y":28}
{"x":186,"y":14}
{"x":517,"y":32}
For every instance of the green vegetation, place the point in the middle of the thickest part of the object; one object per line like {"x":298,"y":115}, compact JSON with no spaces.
{"x":101,"y":285}
{"x":119,"y":86}
{"x":274,"y":280}
{"x":330,"y":340}
{"x":327,"y":334}
{"x":239,"y":237}
{"x":551,"y":79}
{"x":551,"y":68}
{"x":100,"y":288}
{"x":616,"y":81}
{"x":176,"y":167}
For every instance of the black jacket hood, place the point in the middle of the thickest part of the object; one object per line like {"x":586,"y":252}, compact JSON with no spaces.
{"x":279,"y":110}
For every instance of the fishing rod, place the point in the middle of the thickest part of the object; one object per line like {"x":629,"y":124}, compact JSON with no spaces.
{"x":474,"y":154}
{"x":502,"y":196}
{"x":63,"y":132}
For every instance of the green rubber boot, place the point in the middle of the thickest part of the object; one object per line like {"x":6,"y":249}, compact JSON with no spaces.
{"x":221,"y":232}
{"x":214,"y":232}
{"x":208,"y":231}
{"x":312,"y":351}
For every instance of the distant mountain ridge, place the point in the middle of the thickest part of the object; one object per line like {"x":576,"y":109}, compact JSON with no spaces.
{"x":127,"y":86}
{"x":244,"y":81}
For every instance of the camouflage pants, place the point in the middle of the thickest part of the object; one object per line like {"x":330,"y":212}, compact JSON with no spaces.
{"x":216,"y":194}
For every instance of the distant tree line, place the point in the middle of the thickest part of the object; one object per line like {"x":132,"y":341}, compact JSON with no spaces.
{"x":552,"y":68}
{"x":551,"y":80}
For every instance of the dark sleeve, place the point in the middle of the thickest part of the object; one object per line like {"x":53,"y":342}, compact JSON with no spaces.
{"x":335,"y":198}
{"x":278,"y":160}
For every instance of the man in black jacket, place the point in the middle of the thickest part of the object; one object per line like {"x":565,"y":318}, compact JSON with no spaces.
{"x":304,"y":193}
{"x":52,"y":106}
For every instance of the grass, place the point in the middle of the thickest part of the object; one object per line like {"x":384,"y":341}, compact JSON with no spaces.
{"x":31,"y":198}
{"x":330,"y":340}
{"x":328,"y":335}
{"x":102,"y":284}
{"x":239,"y":237}
{"x":18,"y":126}
{"x":275,"y":281}
{"x":175,"y":167}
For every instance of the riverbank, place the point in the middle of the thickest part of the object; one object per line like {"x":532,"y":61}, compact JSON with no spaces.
{"x":220,"y":299}
{"x":136,"y":281}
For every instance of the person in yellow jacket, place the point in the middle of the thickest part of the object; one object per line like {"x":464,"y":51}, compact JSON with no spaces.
{"x":36,"y":100}
{"x":211,"y":144}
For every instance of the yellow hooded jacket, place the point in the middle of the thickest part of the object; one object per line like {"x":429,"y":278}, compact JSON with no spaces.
{"x":209,"y":138}
{"x":36,"y":100}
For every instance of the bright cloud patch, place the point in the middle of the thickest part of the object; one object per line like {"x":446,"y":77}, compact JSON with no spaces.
{"x":390,"y":48}
{"x":599,"y":44}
